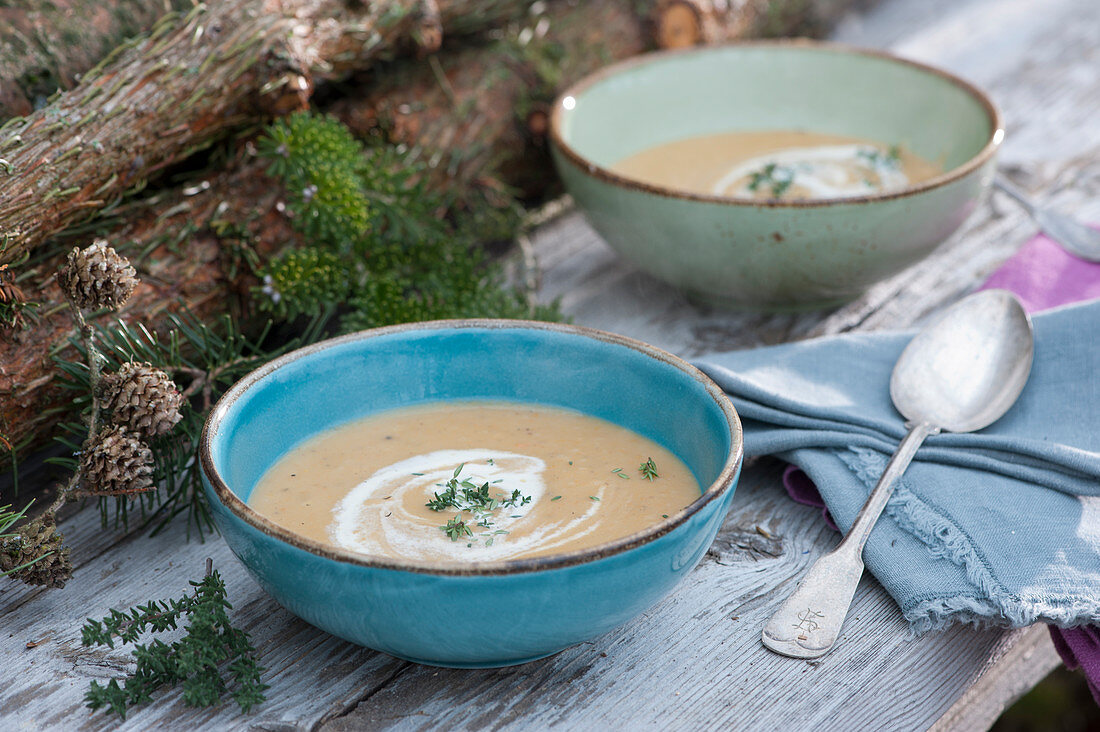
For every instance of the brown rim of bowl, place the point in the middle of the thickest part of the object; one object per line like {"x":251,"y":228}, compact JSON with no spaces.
{"x":235,"y":505}
{"x":996,"y":133}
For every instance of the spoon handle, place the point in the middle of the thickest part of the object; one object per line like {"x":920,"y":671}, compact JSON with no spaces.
{"x":809,"y":622}
{"x":1073,"y":236}
{"x":1014,"y":193}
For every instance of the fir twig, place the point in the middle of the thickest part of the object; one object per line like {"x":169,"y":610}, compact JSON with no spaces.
{"x":204,"y":359}
{"x":418,"y":259}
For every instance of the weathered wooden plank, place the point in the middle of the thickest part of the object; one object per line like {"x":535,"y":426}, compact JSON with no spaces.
{"x":1020,"y":660}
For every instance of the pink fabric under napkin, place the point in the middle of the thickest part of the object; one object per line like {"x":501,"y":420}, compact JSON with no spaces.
{"x":1043,"y":275}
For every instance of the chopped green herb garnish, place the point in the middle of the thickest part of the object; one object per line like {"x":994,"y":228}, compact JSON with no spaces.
{"x":465,"y":495}
{"x":517,"y":499}
{"x":456,"y":528}
{"x":648,"y":469}
{"x":594,"y":498}
{"x":777,"y":177}
{"x":619,"y":472}
{"x":556,"y":498}
{"x":418,"y":474}
{"x":490,"y":461}
{"x":890,"y":160}
{"x":664,"y":515}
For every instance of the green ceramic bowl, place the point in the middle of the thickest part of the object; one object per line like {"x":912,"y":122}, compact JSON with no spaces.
{"x":773,"y":254}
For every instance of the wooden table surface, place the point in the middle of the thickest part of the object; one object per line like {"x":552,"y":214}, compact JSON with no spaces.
{"x":695,"y":660}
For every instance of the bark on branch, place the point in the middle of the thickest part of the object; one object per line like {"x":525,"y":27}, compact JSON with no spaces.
{"x":46,"y":44}
{"x":184,"y":85}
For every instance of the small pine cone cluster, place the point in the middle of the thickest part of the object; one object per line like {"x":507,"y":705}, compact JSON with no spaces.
{"x":97,"y":277}
{"x":38,"y":541}
{"x":116,"y":463}
{"x":141,"y":398}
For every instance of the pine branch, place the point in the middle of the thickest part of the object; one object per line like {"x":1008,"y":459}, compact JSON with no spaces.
{"x":204,"y":360}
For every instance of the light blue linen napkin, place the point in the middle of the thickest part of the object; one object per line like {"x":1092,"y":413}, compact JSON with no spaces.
{"x":1001,"y":525}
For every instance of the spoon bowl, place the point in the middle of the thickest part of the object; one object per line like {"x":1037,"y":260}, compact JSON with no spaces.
{"x":966,"y":368}
{"x":960,"y":373}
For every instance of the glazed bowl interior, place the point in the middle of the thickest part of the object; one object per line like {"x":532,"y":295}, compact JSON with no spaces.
{"x":270,"y":413}
{"x":821,"y":88}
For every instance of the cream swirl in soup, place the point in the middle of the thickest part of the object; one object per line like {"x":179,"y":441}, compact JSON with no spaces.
{"x":778,"y":164}
{"x":474,"y":481}
{"x":381,"y":515}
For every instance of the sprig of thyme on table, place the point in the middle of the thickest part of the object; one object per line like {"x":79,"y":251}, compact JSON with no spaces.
{"x":198,"y":661}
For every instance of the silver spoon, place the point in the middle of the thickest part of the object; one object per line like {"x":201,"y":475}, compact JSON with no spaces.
{"x":960,"y":374}
{"x":1071,"y":234}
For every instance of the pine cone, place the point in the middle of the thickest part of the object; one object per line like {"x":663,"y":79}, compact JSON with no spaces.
{"x":116,"y":463}
{"x":97,"y":277}
{"x":141,"y":398}
{"x":33,"y":542}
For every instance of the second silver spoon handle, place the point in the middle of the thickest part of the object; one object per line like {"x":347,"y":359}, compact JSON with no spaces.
{"x":809,"y":622}
{"x":1014,"y":193}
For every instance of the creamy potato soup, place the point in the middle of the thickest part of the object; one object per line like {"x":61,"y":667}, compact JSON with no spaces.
{"x":783,"y":164}
{"x":473,"y":481}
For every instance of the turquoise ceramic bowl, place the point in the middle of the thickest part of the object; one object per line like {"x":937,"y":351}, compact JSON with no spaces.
{"x":472,"y":614}
{"x":775,"y":254}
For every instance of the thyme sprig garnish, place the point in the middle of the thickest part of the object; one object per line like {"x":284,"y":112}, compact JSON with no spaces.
{"x":878,"y":160}
{"x":465,"y":495}
{"x":777,"y":177}
{"x":621,"y":473}
{"x":456,"y":528}
{"x":648,"y":469}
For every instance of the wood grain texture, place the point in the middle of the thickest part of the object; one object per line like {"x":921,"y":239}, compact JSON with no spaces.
{"x":694,"y":661}
{"x":1021,"y":659}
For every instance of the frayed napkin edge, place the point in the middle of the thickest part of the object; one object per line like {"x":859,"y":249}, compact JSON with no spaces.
{"x":992,"y":605}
